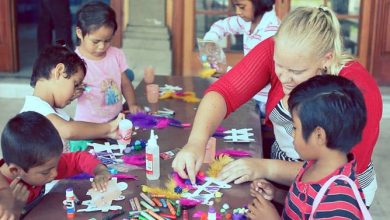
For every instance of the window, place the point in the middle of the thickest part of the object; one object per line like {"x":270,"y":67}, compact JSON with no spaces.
{"x":209,"y":11}
{"x":348,"y":13}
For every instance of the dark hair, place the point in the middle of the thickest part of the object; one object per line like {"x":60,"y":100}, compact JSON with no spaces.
{"x":50,"y":57}
{"x":29,"y":139}
{"x":333,"y":103}
{"x":262,"y":6}
{"x":95,"y":15}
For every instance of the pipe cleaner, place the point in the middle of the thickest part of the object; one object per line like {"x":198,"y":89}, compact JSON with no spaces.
{"x":185,"y":96}
{"x":137,"y":159}
{"x":234,"y":153}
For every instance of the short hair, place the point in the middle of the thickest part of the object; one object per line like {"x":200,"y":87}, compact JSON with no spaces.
{"x":262,"y":6}
{"x":50,"y":57}
{"x":29,"y":139}
{"x":333,"y":103}
{"x":95,"y":15}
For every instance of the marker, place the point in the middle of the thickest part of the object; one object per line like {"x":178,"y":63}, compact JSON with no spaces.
{"x":163,"y":202}
{"x":138,"y":212}
{"x":146,"y":215}
{"x":171,"y":209}
{"x":155,"y":200}
{"x":132,"y":204}
{"x":178,"y":208}
{"x":155,"y":215}
{"x":146,"y":205}
{"x":168,"y":215}
{"x":147,"y":199}
{"x":139,"y":208}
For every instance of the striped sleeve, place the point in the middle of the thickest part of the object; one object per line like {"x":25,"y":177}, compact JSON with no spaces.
{"x":224,"y":27}
{"x":339,"y":202}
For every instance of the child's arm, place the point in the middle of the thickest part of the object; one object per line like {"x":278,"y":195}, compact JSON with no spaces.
{"x":223,"y":27}
{"x":129,"y":94}
{"x":76,"y":130}
{"x":102,"y":176}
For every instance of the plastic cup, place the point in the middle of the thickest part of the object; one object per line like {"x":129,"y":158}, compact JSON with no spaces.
{"x":149,"y":73}
{"x":152,"y":93}
{"x":125,"y":130}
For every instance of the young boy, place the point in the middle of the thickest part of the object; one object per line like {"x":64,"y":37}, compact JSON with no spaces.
{"x":329,"y":115}
{"x":32,"y":157}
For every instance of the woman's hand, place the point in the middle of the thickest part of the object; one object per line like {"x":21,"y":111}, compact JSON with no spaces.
{"x":241,"y":170}
{"x":188,"y":161}
{"x":102,"y":176}
{"x":264,"y":188}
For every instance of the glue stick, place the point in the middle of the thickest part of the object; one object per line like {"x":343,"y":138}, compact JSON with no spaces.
{"x":152,"y":154}
{"x":70,"y":204}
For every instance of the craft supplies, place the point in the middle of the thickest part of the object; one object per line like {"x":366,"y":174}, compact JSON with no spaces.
{"x":211,"y":214}
{"x":152,"y":152}
{"x":125,"y":130}
{"x":146,"y":205}
{"x":137,"y":204}
{"x":70,"y":203}
{"x":147,"y":199}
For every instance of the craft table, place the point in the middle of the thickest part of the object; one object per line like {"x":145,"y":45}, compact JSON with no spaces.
{"x":51,"y":206}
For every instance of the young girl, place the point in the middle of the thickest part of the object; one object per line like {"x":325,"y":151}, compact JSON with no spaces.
{"x":257,"y":21}
{"x":106,"y":79}
{"x":308,"y":43}
{"x":57,"y":80}
{"x":325,"y":143}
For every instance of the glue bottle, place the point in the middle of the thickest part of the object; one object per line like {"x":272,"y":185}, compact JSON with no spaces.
{"x":152,"y":152}
{"x":212,"y":214}
{"x":70,"y":203}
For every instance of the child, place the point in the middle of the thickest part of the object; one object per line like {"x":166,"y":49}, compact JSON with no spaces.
{"x":57,"y":80}
{"x":257,"y":21}
{"x":329,"y":115}
{"x":32,"y":151}
{"x":106,"y":66}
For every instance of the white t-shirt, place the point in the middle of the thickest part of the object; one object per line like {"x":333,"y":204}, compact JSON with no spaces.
{"x":36,"y":104}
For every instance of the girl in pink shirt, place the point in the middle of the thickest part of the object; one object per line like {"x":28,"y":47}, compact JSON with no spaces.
{"x":105,"y":79}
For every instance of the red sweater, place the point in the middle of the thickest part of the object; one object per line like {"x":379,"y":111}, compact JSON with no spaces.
{"x":70,"y":164}
{"x":257,"y":68}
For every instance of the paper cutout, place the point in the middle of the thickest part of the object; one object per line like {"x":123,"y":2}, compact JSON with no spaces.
{"x":239,"y":135}
{"x":101,"y":201}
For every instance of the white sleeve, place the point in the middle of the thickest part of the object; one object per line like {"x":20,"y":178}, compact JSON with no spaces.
{"x":224,"y":27}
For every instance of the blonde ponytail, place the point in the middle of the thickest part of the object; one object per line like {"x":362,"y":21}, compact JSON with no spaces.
{"x":317,"y":31}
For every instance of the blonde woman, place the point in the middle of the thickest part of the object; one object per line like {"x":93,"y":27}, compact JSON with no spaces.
{"x":308,"y":43}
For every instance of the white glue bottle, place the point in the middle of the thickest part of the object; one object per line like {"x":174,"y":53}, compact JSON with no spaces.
{"x":152,"y":154}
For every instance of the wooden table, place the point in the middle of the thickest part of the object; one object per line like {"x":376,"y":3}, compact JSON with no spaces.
{"x":51,"y":206}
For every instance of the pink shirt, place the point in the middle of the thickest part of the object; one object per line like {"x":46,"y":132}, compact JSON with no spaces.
{"x":103,"y":101}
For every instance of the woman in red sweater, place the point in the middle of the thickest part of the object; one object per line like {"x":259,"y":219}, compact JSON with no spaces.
{"x":308,"y":43}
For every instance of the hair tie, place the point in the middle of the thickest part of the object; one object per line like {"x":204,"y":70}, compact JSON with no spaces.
{"x":324,"y":10}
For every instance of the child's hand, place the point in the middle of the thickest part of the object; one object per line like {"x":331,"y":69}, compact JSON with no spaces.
{"x":19,"y":191}
{"x":114,"y":127}
{"x":264,"y":188}
{"x":134,"y":109}
{"x":102,"y":176}
{"x":261,"y":208}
